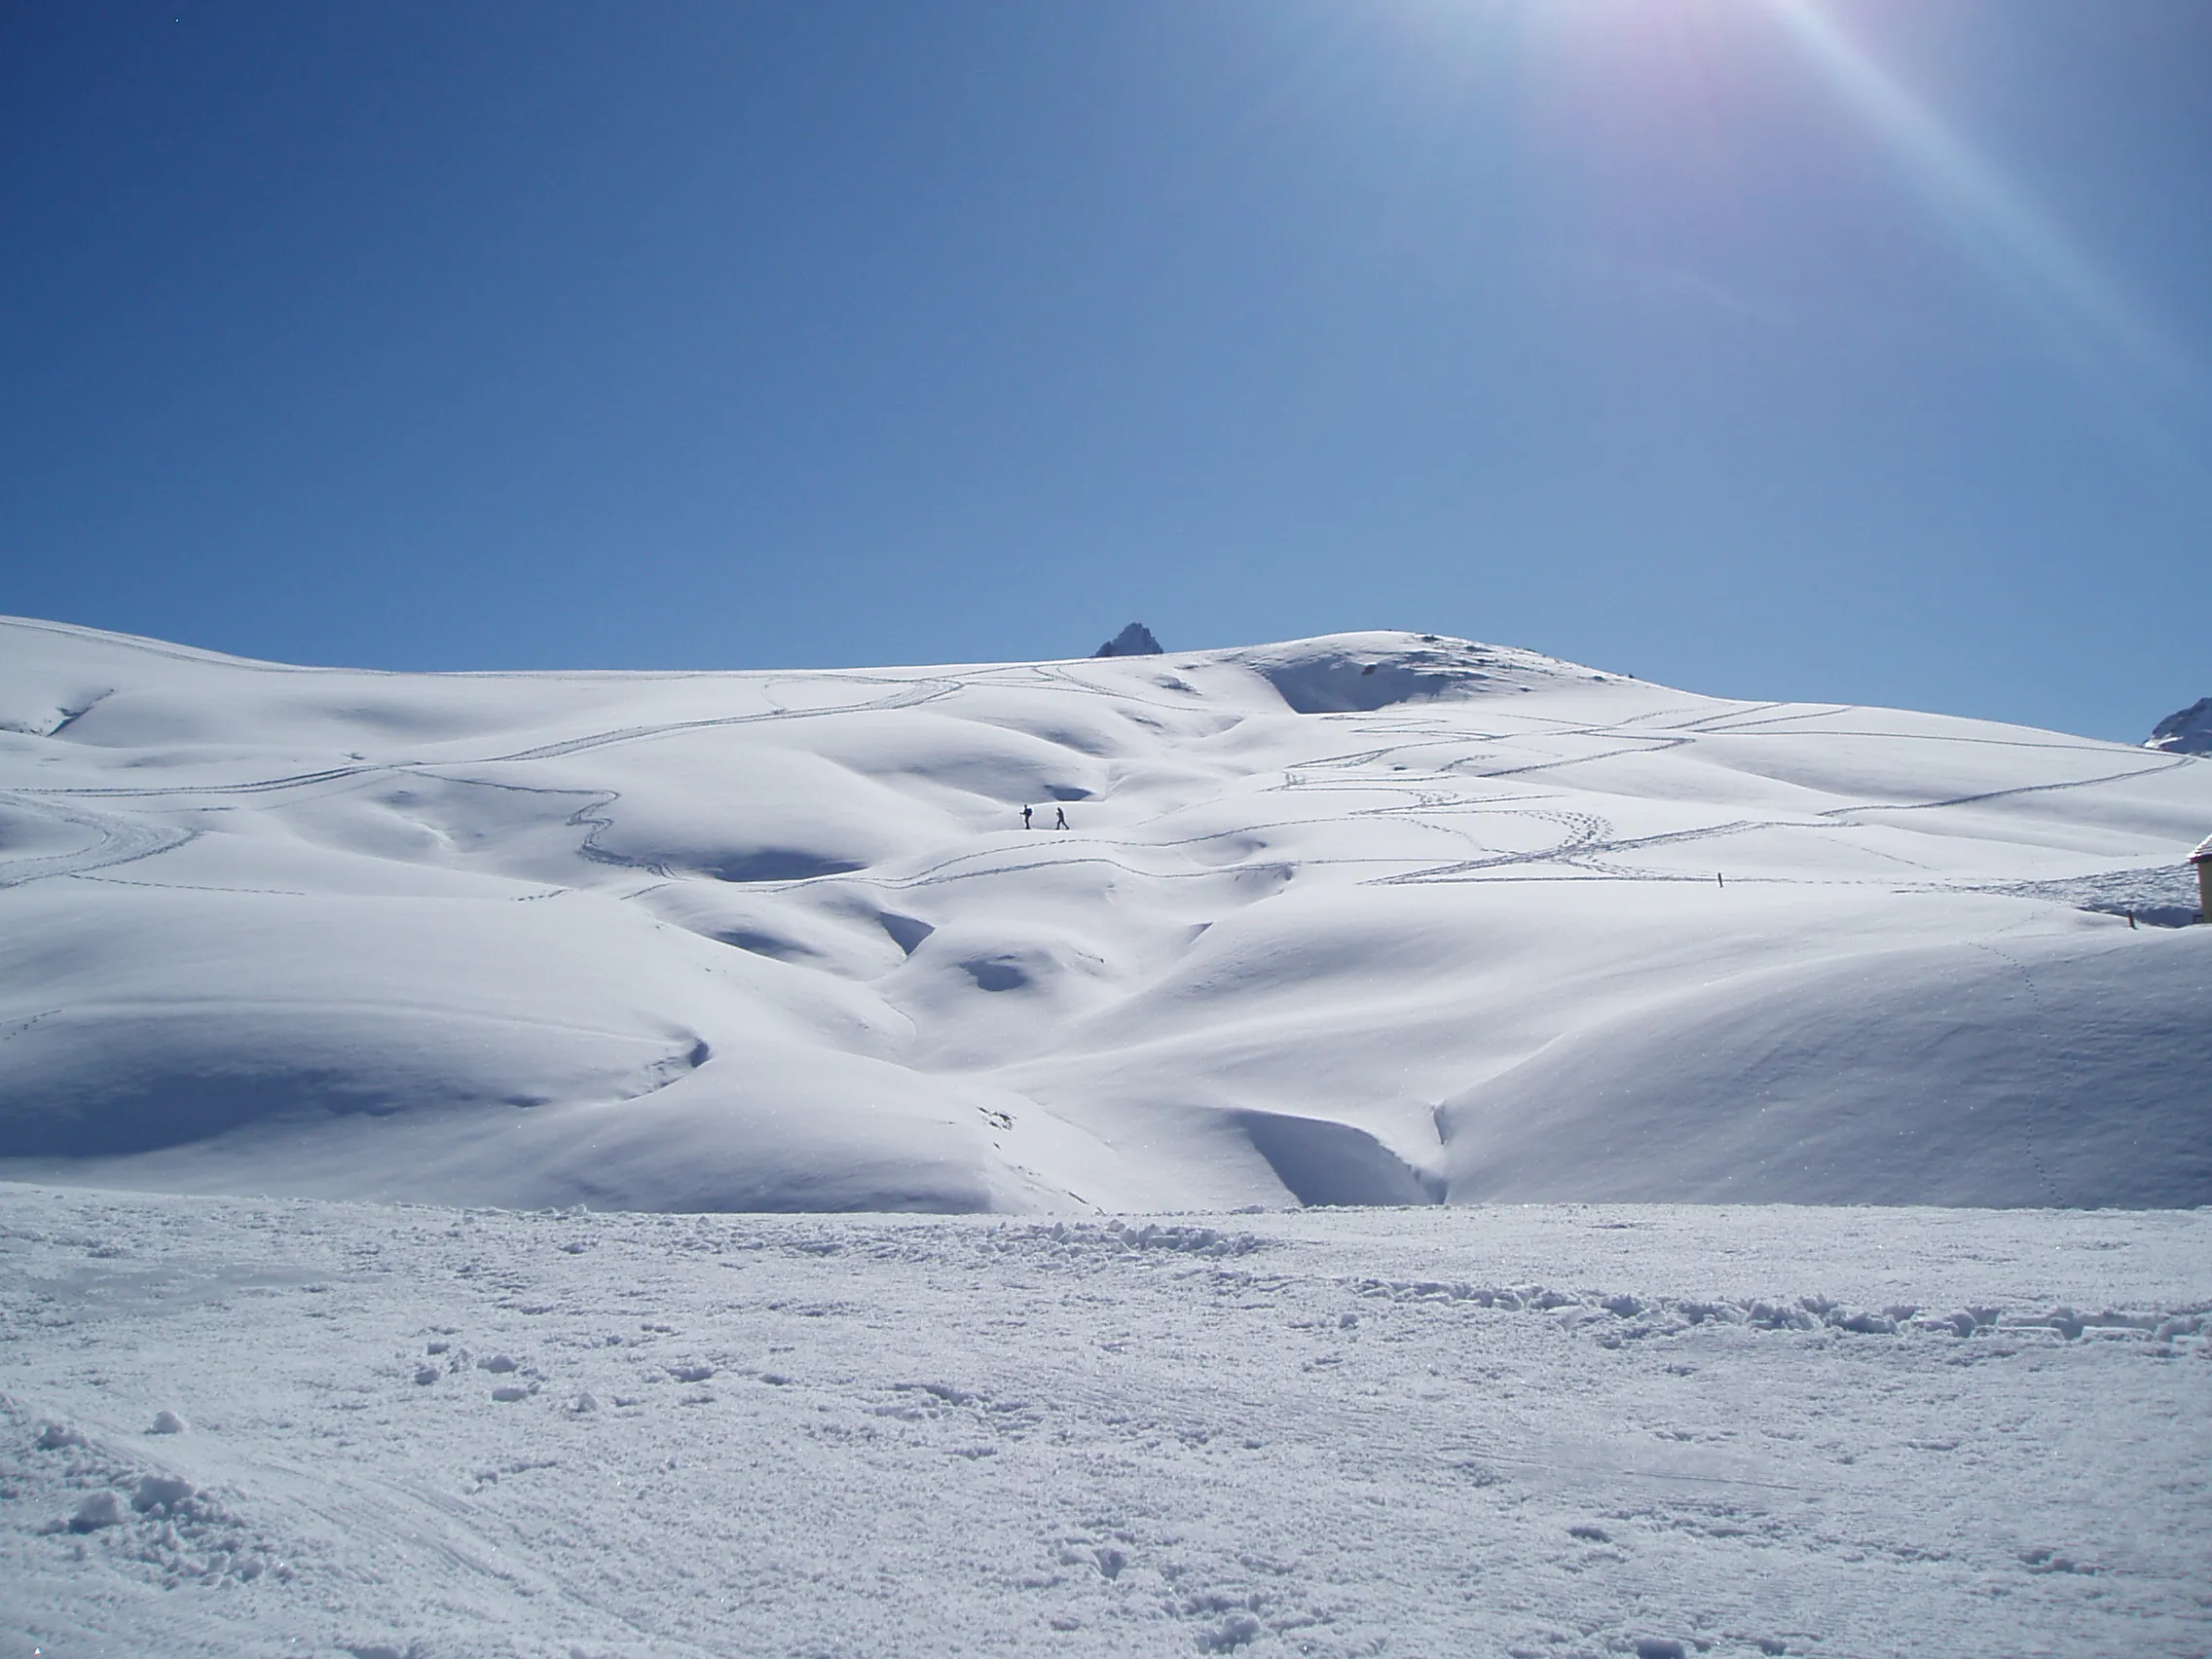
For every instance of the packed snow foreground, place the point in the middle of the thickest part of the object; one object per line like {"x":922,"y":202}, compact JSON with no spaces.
{"x":341,"y":1431}
{"x":1369,"y":918}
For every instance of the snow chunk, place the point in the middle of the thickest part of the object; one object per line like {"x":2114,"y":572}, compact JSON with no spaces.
{"x":100,"y":1509}
{"x":160,"y":1494}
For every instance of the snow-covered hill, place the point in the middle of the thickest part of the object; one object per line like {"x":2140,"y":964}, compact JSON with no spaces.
{"x":1375,"y":918}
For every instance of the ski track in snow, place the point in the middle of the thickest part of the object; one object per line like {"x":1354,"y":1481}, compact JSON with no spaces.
{"x":1571,"y":1432}
{"x":121,"y":840}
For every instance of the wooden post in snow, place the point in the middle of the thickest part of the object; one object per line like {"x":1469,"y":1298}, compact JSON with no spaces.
{"x":2202,"y":860}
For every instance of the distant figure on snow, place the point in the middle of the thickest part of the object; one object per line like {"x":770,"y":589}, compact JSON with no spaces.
{"x":1025,"y":823}
{"x":1060,"y":819}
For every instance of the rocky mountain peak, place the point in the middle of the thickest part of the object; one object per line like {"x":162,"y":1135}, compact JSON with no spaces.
{"x":1133,"y":641}
{"x":2188,"y":731}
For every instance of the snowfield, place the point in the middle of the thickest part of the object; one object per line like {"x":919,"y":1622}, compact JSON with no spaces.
{"x":1370,"y":918}
{"x":286,"y":1426}
{"x":1373,"y":920}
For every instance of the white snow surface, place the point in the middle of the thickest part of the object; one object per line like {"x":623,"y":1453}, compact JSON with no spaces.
{"x":241,"y":1426}
{"x":1369,"y":918}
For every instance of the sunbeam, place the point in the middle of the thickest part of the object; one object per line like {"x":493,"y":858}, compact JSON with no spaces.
{"x":2085,"y":312}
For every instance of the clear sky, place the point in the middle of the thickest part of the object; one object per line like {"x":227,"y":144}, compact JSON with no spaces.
{"x":1858,"y":350}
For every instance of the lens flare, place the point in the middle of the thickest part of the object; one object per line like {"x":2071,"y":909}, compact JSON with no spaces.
{"x":2077,"y":303}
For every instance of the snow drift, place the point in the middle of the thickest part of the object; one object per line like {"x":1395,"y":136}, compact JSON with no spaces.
{"x":1371,"y":918}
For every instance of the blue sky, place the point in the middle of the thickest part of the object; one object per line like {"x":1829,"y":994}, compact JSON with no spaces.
{"x":1857,"y":351}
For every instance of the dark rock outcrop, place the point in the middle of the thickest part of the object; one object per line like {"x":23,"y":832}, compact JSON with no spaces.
{"x":1133,"y":641}
{"x":2188,"y":732}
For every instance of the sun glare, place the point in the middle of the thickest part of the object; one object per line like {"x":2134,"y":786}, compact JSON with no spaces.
{"x":2077,"y":303}
{"x":1699,"y":85}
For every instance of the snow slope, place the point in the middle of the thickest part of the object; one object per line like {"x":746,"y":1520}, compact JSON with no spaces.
{"x":1574,"y":1433}
{"x":1370,"y":918}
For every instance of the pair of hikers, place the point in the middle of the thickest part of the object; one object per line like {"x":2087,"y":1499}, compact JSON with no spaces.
{"x":1059,"y":818}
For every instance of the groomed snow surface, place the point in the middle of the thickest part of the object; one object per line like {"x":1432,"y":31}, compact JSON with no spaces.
{"x":1372,"y":918}
{"x":291,"y":1427}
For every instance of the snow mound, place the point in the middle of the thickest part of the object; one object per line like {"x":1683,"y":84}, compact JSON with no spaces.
{"x":1981,"y":1073}
{"x":1371,"y":918}
{"x":1353,"y":673}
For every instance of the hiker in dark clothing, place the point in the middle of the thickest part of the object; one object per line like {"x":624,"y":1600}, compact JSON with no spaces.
{"x":1060,"y":820}
{"x":1025,"y":823}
